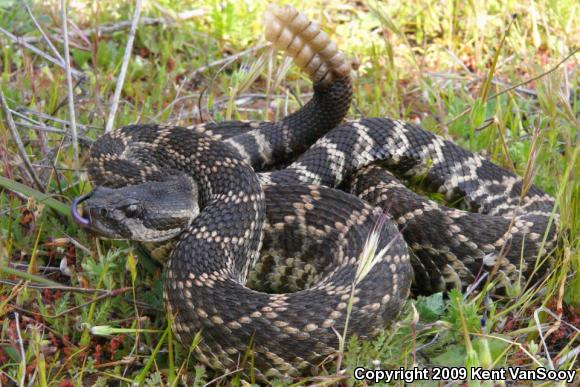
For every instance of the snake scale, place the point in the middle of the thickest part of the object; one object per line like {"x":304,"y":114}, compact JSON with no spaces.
{"x":300,"y":232}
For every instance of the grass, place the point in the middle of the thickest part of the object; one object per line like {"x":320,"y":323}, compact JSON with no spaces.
{"x":443,"y":64}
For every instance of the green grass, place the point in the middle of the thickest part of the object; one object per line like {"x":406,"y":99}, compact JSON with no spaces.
{"x":443,"y":64}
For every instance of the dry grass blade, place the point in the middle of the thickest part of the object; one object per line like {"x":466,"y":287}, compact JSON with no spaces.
{"x":229,"y":59}
{"x":44,"y":36}
{"x":48,"y":117}
{"x":71,"y":101}
{"x":124,"y":65}
{"x":22,"y":369}
{"x":488,"y":80}
{"x":76,"y":73}
{"x":20,"y":146}
{"x":41,"y":128}
{"x":369,"y":257}
{"x":125,"y":24}
{"x":559,"y":320}
{"x":527,"y":81}
{"x":518,"y":85}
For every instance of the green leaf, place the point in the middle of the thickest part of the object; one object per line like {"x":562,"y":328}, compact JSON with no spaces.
{"x":27,"y":276}
{"x":12,"y":353}
{"x":472,"y":318}
{"x":471,"y":361}
{"x":430,"y":308}
{"x":492,"y":348}
{"x":454,"y":356}
{"x":154,"y":379}
{"x":132,"y":264}
{"x":200,"y":376}
{"x":477,"y":115}
{"x":39,"y":196}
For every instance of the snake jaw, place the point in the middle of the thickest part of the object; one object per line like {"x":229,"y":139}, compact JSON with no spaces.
{"x":78,"y":218}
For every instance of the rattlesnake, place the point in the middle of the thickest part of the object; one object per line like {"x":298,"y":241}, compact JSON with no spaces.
{"x":199,"y":185}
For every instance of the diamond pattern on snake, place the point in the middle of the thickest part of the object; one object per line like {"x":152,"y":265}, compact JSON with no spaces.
{"x":270,"y":221}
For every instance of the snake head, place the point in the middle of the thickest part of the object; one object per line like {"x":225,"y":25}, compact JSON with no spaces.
{"x":154,"y":211}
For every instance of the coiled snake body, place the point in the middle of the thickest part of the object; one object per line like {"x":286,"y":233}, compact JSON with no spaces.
{"x":199,"y":184}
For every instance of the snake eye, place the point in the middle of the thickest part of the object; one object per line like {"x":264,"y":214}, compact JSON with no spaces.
{"x":132,"y":210}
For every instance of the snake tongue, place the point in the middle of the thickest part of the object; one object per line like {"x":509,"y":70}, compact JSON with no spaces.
{"x":75,"y":210}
